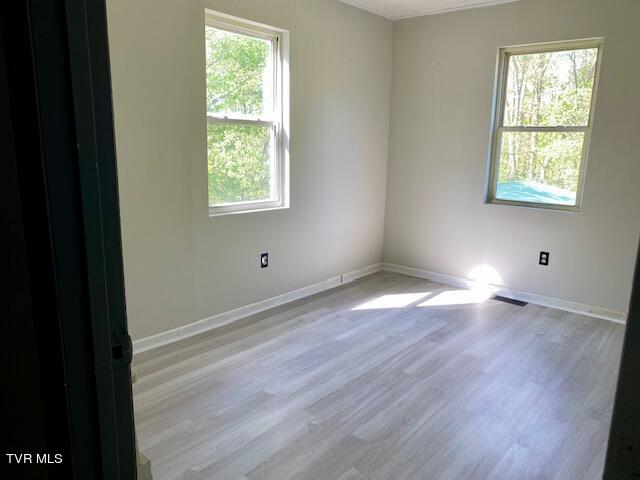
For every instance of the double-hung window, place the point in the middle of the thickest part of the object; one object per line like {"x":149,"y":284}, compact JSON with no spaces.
{"x":542,"y":123}
{"x":246,"y":99}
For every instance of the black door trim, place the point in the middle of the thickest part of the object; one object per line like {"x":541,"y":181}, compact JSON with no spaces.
{"x":58,"y":80}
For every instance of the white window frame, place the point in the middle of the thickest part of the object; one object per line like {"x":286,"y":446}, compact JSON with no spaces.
{"x":279,"y":39}
{"x":498,"y":127}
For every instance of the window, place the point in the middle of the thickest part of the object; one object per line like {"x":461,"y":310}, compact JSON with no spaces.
{"x":246,"y":115}
{"x":542,"y":124}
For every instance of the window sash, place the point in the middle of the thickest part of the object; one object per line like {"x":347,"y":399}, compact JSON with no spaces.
{"x":499,"y":128}
{"x":505,"y":57}
{"x":277,"y":180}
{"x":493,"y":186}
{"x":232,"y":26}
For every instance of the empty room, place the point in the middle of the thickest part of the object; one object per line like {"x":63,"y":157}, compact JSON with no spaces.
{"x":347,"y":240}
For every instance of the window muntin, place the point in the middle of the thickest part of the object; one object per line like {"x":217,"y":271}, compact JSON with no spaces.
{"x":244,"y":101}
{"x":543,"y":124}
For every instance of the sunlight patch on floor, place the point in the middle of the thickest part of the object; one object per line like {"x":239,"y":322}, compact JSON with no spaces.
{"x":457,"y":297}
{"x":396,"y":300}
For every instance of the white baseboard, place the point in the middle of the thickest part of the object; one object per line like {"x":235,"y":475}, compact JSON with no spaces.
{"x":224,"y":318}
{"x":574,"y":307}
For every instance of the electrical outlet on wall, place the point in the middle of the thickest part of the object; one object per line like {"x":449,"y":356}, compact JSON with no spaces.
{"x":264,"y":260}
{"x":544,"y":259}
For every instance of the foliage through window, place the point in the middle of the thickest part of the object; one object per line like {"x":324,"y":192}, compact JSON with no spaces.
{"x":543,"y":123}
{"x":244,"y":94}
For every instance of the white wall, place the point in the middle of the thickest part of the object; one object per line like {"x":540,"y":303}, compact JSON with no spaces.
{"x":444,"y":71}
{"x":181,"y":265}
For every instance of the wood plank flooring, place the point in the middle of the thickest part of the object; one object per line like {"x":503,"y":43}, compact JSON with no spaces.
{"x":330,"y":388}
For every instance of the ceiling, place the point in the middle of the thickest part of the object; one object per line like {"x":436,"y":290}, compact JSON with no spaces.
{"x":397,"y":9}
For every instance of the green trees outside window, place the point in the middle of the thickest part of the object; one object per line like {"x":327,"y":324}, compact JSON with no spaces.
{"x":240,"y":105}
{"x":545,"y":118}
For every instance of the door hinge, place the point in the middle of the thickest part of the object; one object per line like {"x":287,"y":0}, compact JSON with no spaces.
{"x":121,"y":351}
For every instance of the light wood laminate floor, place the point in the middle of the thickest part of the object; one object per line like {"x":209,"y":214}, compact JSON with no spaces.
{"x":351,"y":385}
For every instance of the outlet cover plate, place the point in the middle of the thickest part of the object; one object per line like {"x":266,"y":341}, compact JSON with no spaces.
{"x":544,"y":259}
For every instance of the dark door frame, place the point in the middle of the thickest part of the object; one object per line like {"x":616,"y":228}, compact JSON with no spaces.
{"x":60,"y":152}
{"x":623,"y":451}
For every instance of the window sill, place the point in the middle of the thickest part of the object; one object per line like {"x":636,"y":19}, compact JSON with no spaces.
{"x":535,"y":206}
{"x":234,"y":210}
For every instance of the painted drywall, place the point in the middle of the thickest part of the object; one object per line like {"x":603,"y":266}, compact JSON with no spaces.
{"x":181,"y":265}
{"x":443,"y":81}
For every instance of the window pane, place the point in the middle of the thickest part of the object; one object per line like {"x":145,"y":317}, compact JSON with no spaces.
{"x":542,"y":167}
{"x":550,"y":89}
{"x":239,"y":74}
{"x":240,"y":161}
